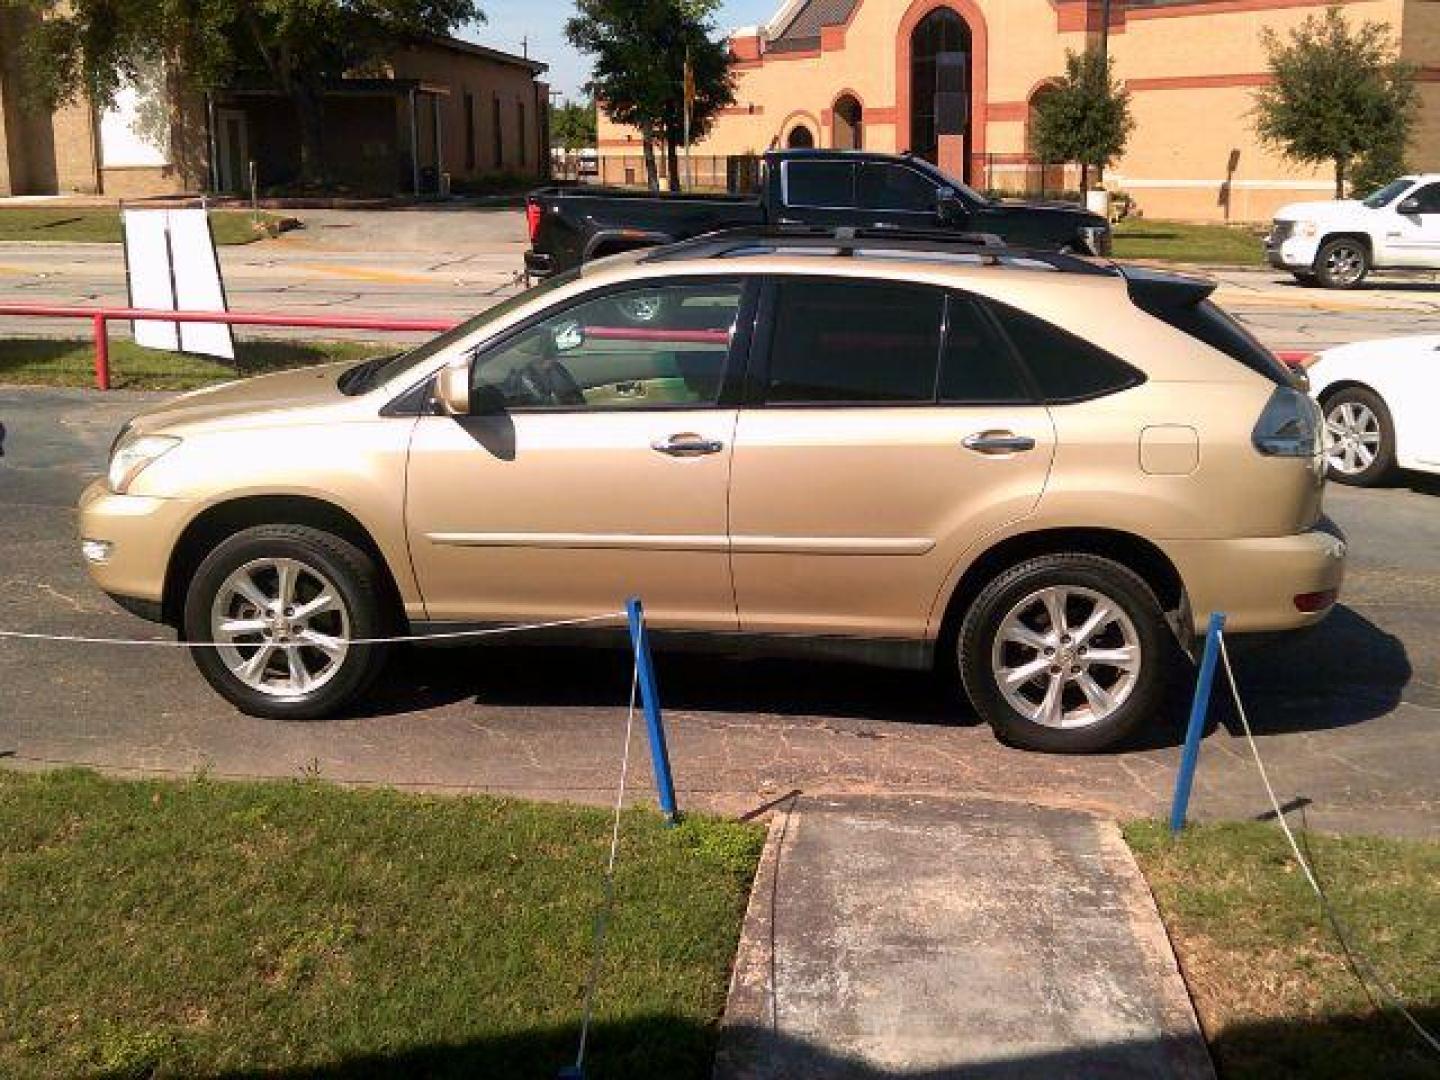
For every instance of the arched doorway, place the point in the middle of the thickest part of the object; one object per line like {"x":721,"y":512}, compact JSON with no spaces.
{"x":847,"y":124}
{"x":800,"y":138}
{"x":940,"y":62}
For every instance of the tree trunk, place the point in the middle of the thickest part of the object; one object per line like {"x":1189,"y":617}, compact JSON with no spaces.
{"x":1340,"y":177}
{"x":1084,"y":177}
{"x":310,"y":112}
{"x":652,"y":174}
{"x":672,"y":158}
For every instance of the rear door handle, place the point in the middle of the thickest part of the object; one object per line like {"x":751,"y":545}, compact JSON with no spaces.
{"x":998,"y":442}
{"x":687,"y":445}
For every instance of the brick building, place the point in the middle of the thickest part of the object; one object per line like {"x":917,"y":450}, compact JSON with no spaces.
{"x":866,"y":72}
{"x":432,"y":108}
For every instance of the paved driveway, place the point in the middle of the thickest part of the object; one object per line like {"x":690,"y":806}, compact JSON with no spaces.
{"x":1348,"y":713}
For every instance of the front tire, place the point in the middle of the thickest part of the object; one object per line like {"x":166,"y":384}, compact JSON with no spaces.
{"x":283,"y":603}
{"x":1342,"y":263}
{"x":1359,"y":437}
{"x":1066,"y":653}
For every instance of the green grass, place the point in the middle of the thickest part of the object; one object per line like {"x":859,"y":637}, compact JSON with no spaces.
{"x":43,"y":362}
{"x":208,"y":929}
{"x":102,"y":225}
{"x":1269,"y":979}
{"x":1190,"y":242}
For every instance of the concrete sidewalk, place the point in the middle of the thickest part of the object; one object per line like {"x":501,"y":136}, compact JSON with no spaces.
{"x":953,"y":938}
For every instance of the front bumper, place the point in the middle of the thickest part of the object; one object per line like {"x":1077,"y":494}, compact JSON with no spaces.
{"x":1293,"y":253}
{"x":141,"y":533}
{"x":1256,"y":581}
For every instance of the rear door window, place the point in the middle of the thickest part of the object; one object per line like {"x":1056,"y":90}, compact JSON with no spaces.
{"x":840,"y":341}
{"x":977,"y":366}
{"x":820,"y":184}
{"x":1064,"y":367}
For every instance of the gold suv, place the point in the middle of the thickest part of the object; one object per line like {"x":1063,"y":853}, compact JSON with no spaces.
{"x":1040,"y":470}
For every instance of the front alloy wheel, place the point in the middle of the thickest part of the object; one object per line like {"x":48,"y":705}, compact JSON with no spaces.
{"x":1066,"y":652}
{"x":280,"y":609}
{"x":1359,"y":437}
{"x":1342,"y":264}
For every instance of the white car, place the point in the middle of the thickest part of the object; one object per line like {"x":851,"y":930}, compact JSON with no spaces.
{"x":1337,"y":243}
{"x":1381,"y":401}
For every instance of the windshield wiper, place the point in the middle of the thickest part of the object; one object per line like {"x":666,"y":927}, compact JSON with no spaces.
{"x":357,"y":380}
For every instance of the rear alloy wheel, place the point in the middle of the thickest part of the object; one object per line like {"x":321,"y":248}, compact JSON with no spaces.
{"x":283,"y":605}
{"x":1359,"y":437}
{"x":1342,"y":263}
{"x":1065,"y":653}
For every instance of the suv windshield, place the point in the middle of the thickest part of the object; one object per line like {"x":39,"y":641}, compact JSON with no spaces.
{"x":358,"y":380}
{"x":1375,"y":200}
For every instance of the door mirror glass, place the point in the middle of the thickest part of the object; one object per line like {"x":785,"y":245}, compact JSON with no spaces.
{"x":948,"y":205}
{"x":1408,"y":206}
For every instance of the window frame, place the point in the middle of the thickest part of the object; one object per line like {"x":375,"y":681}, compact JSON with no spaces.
{"x":757,"y":382}
{"x":736,"y":358}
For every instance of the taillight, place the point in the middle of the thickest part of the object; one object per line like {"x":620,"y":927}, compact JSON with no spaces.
{"x":1296,"y":359}
{"x":1290,"y":425}
{"x":1311,"y":602}
{"x":532,"y":218}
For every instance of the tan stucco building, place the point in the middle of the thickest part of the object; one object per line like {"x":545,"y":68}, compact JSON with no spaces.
{"x":864,"y":72}
{"x":432,"y":108}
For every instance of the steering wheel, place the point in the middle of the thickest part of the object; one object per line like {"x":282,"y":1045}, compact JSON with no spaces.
{"x":544,"y":382}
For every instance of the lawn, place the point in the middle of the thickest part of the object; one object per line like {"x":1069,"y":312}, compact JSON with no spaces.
{"x":44,"y":362}
{"x":101,"y":224}
{"x":1267,"y":975}
{"x":1190,"y":242}
{"x":216,"y":929}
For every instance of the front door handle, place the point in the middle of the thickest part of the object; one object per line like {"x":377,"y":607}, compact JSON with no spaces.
{"x":998,"y":442}
{"x":687,"y":445}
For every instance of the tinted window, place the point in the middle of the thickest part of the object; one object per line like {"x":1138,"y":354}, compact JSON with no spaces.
{"x":1429,"y":199}
{"x":819,"y":183}
{"x":1380,"y":198}
{"x":1065,"y":368}
{"x":657,"y":347}
{"x":977,"y":366}
{"x":838,"y":341}
{"x":894,"y":187}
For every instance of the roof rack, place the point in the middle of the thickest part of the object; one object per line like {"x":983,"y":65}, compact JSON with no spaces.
{"x":982,"y":248}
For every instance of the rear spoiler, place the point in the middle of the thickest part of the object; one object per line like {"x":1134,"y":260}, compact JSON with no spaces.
{"x":1152,"y":289}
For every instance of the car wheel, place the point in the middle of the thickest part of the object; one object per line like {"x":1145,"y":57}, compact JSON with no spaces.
{"x":1065,"y":653}
{"x":1342,"y":263}
{"x":283,"y":603}
{"x":1359,"y":437}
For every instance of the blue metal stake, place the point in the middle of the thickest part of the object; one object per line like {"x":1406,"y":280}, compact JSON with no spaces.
{"x":1198,"y":709}
{"x":650,"y":698}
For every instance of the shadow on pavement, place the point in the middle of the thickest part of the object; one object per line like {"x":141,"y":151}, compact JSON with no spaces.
{"x":665,"y":1047}
{"x":1345,"y":671}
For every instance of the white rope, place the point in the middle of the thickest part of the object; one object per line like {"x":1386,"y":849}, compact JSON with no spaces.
{"x":603,"y":918}
{"x":447,"y":635}
{"x":1363,"y":968}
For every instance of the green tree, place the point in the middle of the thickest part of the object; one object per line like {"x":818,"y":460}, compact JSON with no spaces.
{"x":293,"y":46}
{"x":572,"y":125}
{"x":1336,"y":95}
{"x":638,"y":52}
{"x":1084,"y":117}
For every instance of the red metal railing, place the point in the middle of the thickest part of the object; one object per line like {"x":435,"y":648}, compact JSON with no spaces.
{"x":100,"y":318}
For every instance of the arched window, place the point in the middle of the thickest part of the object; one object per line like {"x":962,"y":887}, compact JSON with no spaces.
{"x":939,"y":48}
{"x":801,"y":138}
{"x":846,"y":131}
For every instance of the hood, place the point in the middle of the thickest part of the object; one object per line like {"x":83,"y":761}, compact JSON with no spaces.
{"x":1320,"y":210}
{"x":1048,"y":206}
{"x":264,"y":398}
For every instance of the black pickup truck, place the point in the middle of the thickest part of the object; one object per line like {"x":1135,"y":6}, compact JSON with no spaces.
{"x":823,"y":188}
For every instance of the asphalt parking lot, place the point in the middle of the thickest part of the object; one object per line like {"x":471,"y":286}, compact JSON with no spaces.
{"x":1346,"y":714}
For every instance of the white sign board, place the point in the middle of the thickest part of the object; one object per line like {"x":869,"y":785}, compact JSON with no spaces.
{"x":171,"y":265}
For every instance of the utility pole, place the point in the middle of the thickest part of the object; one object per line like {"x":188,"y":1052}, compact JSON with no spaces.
{"x":1105,"y":30}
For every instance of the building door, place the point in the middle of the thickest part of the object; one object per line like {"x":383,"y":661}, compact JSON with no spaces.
{"x":940,"y":91}
{"x":232,"y":142}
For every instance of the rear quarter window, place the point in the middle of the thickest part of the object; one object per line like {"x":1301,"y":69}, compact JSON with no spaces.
{"x":1064,"y":367}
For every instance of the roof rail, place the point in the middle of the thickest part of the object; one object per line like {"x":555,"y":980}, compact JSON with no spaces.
{"x":986,"y":248}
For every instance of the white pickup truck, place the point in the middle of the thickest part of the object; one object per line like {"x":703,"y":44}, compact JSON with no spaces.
{"x":1336,"y":243}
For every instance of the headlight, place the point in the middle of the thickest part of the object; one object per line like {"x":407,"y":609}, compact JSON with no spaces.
{"x":133,"y":455}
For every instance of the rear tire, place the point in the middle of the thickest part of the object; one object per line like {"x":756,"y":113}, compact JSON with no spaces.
{"x":1358,"y":426}
{"x":285,"y":601}
{"x":1066,"y":653}
{"x":1342,"y":263}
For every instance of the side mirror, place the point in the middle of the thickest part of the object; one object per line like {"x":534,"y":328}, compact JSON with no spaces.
{"x":1408,"y":206}
{"x":950,"y":209}
{"x":452,"y":390}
